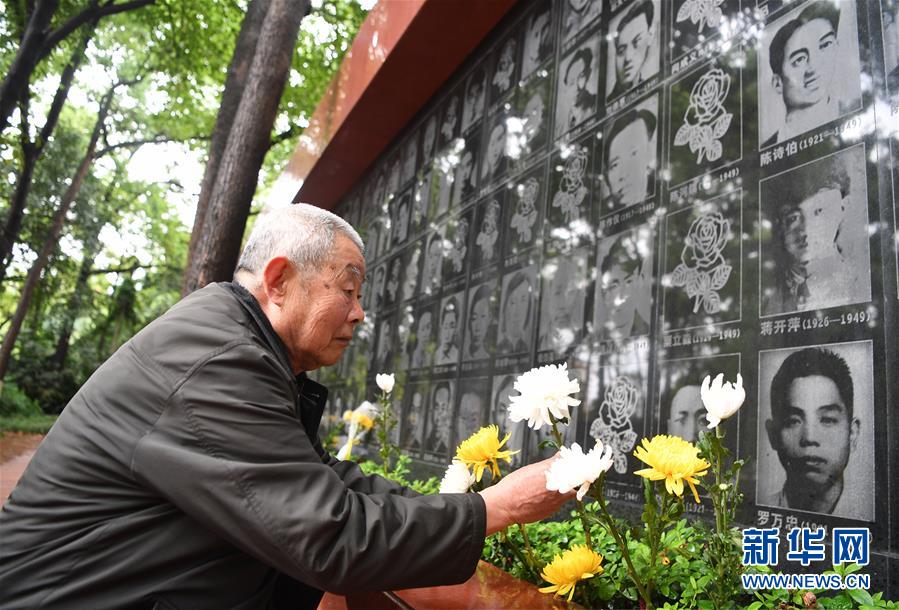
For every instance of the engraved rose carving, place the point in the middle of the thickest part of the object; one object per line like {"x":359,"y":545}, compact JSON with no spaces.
{"x":706,"y":120}
{"x":613,"y":426}
{"x":703,"y":270}
{"x":705,"y":13}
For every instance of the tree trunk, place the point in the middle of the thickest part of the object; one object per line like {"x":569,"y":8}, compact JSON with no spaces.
{"x":50,"y":243}
{"x":244,"y":50}
{"x":219,"y":238}
{"x":31,"y":152}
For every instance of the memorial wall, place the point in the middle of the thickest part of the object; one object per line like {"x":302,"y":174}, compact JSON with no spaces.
{"x":653,"y":191}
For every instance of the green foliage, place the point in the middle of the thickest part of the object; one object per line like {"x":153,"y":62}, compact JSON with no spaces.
{"x":15,"y":402}
{"x":29,"y":424}
{"x":399,"y":474}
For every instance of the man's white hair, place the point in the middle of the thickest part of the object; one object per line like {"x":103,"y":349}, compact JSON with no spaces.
{"x":303,"y":233}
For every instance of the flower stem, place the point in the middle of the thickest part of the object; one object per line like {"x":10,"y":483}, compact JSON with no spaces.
{"x":584,"y":523}
{"x":532,"y":561}
{"x":557,"y":436}
{"x":517,"y":552}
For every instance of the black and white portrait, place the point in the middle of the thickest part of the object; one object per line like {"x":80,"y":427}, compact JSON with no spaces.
{"x":423,"y":338}
{"x":458,"y":237}
{"x":809,"y":70}
{"x":487,"y":244}
{"x":405,"y":324}
{"x":378,"y":287}
{"x":633,"y":56}
{"x":630,"y":146}
{"x":443,"y":176}
{"x":503,"y":387}
{"x":623,"y":303}
{"x":505,"y":68}
{"x":450,"y":120}
{"x":815,"y":250}
{"x":518,"y":311}
{"x":473,"y":396}
{"x":465,"y":181}
{"x":695,"y":22}
{"x":529,"y":127}
{"x":616,"y":409}
{"x":538,"y":39}
{"x":480,"y":325}
{"x":563,"y":287}
{"x":890,"y":24}
{"x":412,"y":261}
{"x":393,"y":280}
{"x":475,"y":97}
{"x":433,"y":265}
{"x":413,"y":416}
{"x":440,"y":412}
{"x":706,"y":124}
{"x":429,"y":140}
{"x":525,"y":210}
{"x":400,"y":211}
{"x":816,"y":430}
{"x":681,"y":412}
{"x":569,"y":202}
{"x":577,"y":15}
{"x":576,"y":93}
{"x":384,"y":353}
{"x":410,"y":158}
{"x":703,"y":263}
{"x":421,"y":201}
{"x":449,"y":333}
{"x":393,"y":176}
{"x":495,"y":159}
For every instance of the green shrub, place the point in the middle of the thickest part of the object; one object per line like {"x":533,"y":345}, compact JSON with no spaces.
{"x":15,"y":402}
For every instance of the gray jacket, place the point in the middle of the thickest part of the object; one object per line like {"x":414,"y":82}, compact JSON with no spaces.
{"x":187,"y":473}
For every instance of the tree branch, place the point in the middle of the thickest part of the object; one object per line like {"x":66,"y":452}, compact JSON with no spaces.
{"x":94,"y":12}
{"x":293,"y":130}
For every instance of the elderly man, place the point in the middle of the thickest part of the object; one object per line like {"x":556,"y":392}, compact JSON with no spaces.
{"x":187,"y":471}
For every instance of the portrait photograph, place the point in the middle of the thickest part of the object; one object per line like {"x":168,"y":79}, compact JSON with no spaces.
{"x":578,"y":84}
{"x":503,"y":388}
{"x":814,"y":246}
{"x":421,"y":201}
{"x":384,"y":351}
{"x":705,"y":128}
{"x":400,"y":214}
{"x":615,"y":403}
{"x":816,"y":430}
{"x":393,"y":281}
{"x":487,"y":242}
{"x":394,"y":171}
{"x":378,"y":287}
{"x":694,"y":23}
{"x":808,"y":69}
{"x":538,"y":38}
{"x":480,"y":323}
{"x":568,"y":203}
{"x":634,"y":47}
{"x":466,"y":173}
{"x":412,"y":417}
{"x":563,"y":297}
{"x":449,"y":331}
{"x":405,"y":324}
{"x":629,"y":157}
{"x":524,"y":211}
{"x":472,"y":408}
{"x":432,"y":271}
{"x":505,"y":68}
{"x":680,"y":411}
{"x":428,"y":140}
{"x":518,"y":311}
{"x":623,"y":303}
{"x":409,"y":157}
{"x":442,"y":175}
{"x":458,"y":238}
{"x":495,"y":159}
{"x":422,"y":339}
{"x":702,"y":282}
{"x":890,"y":24}
{"x":450,"y":120}
{"x":412,"y":262}
{"x":577,"y":15}
{"x":529,"y":123}
{"x":475,"y":97}
{"x":438,"y":425}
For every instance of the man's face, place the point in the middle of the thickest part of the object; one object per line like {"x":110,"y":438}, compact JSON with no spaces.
{"x":631,"y":50}
{"x":320,"y":312}
{"x":469,"y":413}
{"x":621,"y":293}
{"x":448,"y":329}
{"x":479,"y":321}
{"x":687,"y":417}
{"x":441,"y":407}
{"x":424,"y":328}
{"x":809,"y":229}
{"x":629,"y":156}
{"x":809,"y":61}
{"x":814,"y":435}
{"x":561,"y":296}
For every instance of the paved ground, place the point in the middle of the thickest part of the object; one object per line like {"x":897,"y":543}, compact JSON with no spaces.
{"x":15,"y":452}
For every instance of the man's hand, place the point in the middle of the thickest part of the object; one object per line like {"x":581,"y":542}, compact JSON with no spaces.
{"x":522,"y":497}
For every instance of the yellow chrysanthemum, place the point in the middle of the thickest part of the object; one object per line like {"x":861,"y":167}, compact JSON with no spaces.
{"x":566,"y":570}
{"x":673,"y":460}
{"x":482,"y":449}
{"x":363,"y":420}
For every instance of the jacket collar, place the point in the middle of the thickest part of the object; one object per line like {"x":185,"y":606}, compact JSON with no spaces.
{"x":312,"y":395}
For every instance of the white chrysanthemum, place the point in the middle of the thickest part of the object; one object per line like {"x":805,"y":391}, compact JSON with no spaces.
{"x":721,"y":399}
{"x":385,"y":382}
{"x":457,"y":479}
{"x":574,"y":469}
{"x":543,"y":391}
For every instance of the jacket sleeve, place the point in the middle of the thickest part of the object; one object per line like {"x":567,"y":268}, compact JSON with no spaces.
{"x":228,"y":451}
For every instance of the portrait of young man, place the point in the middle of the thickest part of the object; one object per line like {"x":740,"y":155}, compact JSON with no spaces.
{"x":413,"y":416}
{"x":563,"y":298}
{"x":440,"y":411}
{"x":538,"y":39}
{"x":475,"y":97}
{"x":623,"y":285}
{"x":495,"y":157}
{"x":423,"y":336}
{"x":480,"y":327}
{"x":633,"y":56}
{"x":817,"y":252}
{"x":577,"y":15}
{"x":576,"y":94}
{"x":629,"y":157}
{"x":450,"y":330}
{"x":809,"y":70}
{"x":816,"y":450}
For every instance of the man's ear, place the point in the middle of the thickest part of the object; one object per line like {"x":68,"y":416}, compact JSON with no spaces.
{"x":275,"y":276}
{"x":854,"y":427}
{"x":777,"y":83}
{"x":773,"y":436}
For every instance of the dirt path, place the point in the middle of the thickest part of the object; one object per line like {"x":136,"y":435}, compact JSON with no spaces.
{"x":16,"y":449}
